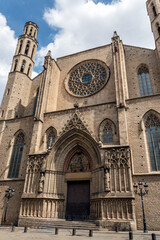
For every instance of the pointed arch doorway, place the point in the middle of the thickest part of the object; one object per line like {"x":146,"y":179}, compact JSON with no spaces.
{"x":78,"y":174}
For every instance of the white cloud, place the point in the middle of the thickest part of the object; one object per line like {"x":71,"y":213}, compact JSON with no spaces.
{"x":34,"y":74}
{"x":7,"y":48}
{"x":84,"y":24}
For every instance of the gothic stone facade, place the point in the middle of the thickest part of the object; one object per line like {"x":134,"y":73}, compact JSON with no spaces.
{"x":81,"y":133}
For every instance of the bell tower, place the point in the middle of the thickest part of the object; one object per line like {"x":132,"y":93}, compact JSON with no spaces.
{"x":16,"y":95}
{"x":23,"y":59}
{"x":153,"y":8}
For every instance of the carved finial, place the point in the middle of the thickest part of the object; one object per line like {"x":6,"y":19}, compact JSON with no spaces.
{"x":49,"y":53}
{"x":115,"y":34}
{"x":47,"y":60}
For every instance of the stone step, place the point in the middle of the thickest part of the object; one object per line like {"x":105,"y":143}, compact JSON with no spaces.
{"x":48,"y":223}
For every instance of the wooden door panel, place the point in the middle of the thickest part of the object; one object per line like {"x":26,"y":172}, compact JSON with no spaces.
{"x":78,"y":200}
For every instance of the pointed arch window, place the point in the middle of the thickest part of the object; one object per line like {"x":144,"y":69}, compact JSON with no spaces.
{"x":20,"y":47}
{"x":107,"y":133}
{"x":16,"y":156}
{"x":50,"y":138}
{"x":144,"y":81}
{"x":30,"y":33}
{"x":23,"y":66}
{"x":152,"y":125}
{"x":27,"y":48}
{"x":26,"y":30}
{"x":15,"y":65}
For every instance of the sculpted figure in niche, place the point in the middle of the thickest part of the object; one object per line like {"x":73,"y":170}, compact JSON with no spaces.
{"x":41,"y":183}
{"x":79,"y":163}
{"x":106,"y":180}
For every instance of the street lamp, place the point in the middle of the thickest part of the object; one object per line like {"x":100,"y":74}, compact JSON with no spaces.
{"x":9,"y":193}
{"x":142,"y":189}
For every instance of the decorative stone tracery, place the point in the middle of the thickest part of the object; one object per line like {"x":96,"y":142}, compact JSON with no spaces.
{"x":88,"y":78}
{"x":107,"y":131}
{"x":152,"y":120}
{"x":35,"y":168}
{"x":117,"y":172}
{"x":76,"y":121}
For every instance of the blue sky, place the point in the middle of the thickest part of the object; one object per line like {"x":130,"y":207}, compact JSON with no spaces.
{"x":18,"y":12}
{"x":68,"y":26}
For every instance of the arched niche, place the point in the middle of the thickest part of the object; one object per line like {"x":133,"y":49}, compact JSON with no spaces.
{"x":77,"y":160}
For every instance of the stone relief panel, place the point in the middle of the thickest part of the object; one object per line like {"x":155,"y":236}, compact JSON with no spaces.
{"x":79,"y":163}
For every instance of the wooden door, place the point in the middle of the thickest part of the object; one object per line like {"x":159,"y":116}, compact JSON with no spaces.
{"x":78,"y":200}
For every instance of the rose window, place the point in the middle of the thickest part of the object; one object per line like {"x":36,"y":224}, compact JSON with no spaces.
{"x":87,"y":78}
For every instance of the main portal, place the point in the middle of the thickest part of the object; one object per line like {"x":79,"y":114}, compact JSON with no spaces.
{"x":78,"y":200}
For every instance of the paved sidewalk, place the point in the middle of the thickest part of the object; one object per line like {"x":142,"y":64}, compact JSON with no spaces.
{"x":66,"y":234}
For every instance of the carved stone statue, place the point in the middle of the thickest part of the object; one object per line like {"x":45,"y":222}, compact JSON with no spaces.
{"x":106,"y":179}
{"x":41,"y":183}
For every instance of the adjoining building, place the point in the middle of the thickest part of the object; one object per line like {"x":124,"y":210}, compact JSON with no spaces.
{"x":74,"y":139}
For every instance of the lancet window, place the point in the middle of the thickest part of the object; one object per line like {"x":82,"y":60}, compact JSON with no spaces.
{"x":16,"y":156}
{"x":15,"y":65}
{"x":107,"y":131}
{"x":30,"y":33}
{"x":23,"y":66}
{"x":26,"y":30}
{"x":20,"y":47}
{"x":27,"y":48}
{"x":152,"y":125}
{"x":144,"y":81}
